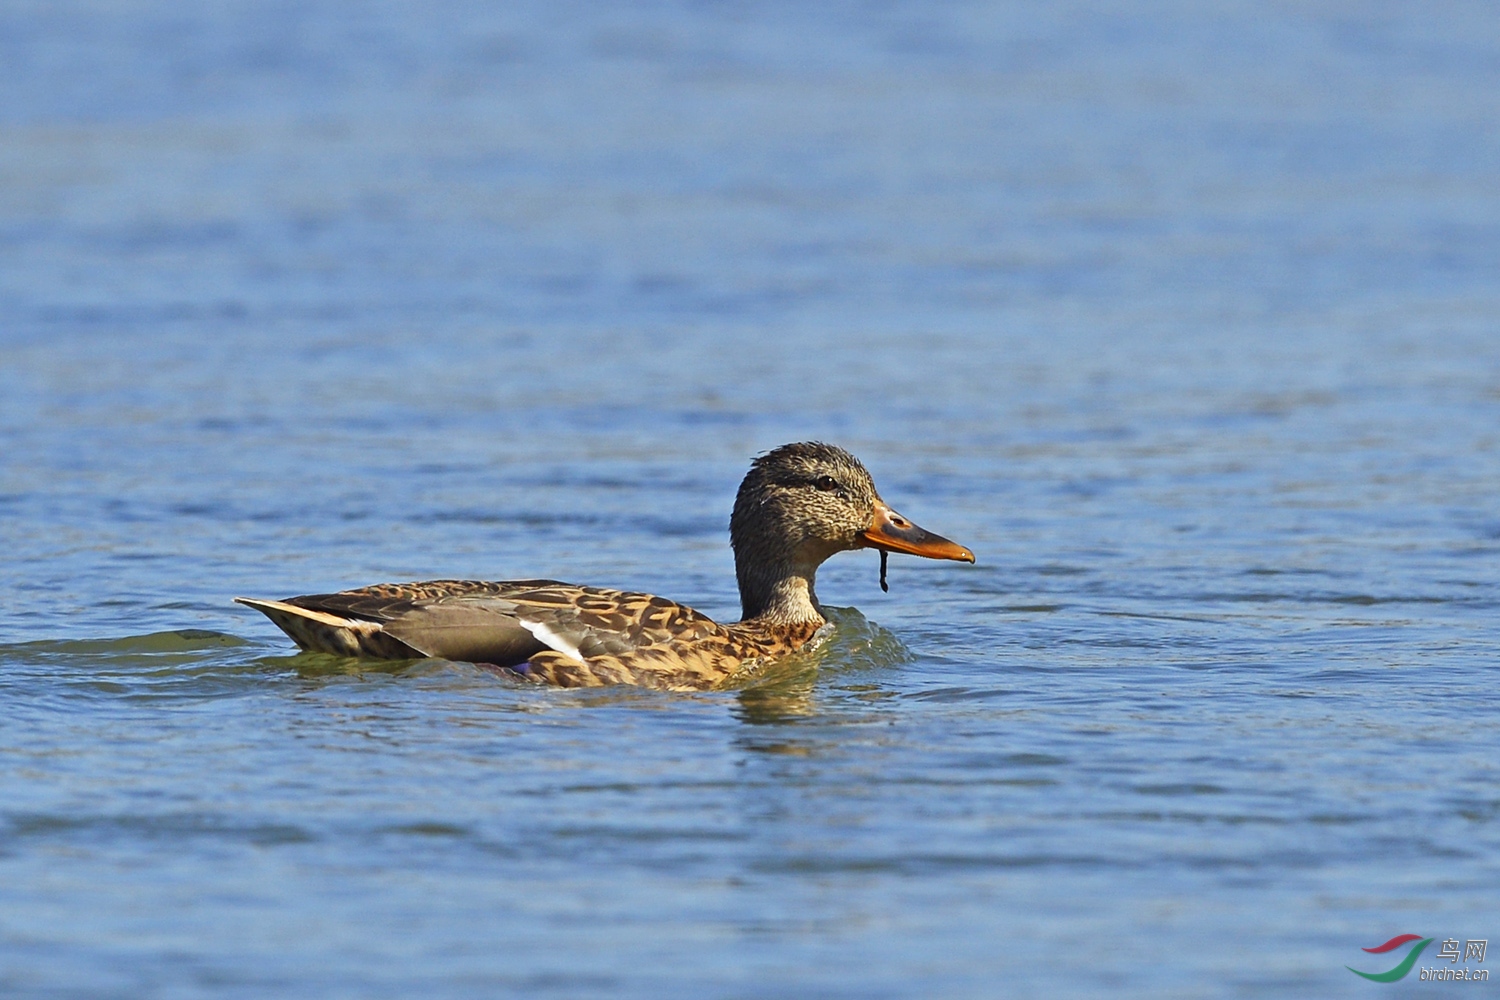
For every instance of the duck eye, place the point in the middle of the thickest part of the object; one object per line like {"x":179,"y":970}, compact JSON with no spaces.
{"x":828,"y":484}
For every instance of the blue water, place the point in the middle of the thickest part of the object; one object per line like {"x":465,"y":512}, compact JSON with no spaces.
{"x":1184,"y":317}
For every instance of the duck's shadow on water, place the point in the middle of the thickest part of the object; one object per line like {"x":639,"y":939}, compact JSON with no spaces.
{"x":326,"y":666}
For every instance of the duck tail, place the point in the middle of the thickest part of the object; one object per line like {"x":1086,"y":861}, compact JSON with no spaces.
{"x":328,"y":633}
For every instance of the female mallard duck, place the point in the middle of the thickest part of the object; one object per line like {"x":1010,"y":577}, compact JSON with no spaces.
{"x":798,"y":505}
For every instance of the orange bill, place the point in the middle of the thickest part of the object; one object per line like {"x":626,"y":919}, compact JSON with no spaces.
{"x":893,"y":533}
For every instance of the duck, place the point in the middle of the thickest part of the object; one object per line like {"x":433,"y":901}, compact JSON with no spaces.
{"x":798,"y":505}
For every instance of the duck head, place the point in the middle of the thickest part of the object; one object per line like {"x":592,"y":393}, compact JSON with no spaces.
{"x":798,"y":505}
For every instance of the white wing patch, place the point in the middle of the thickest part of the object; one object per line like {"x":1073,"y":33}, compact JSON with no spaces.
{"x":552,"y":639}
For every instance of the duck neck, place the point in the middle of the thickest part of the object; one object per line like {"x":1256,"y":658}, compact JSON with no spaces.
{"x":779,"y":595}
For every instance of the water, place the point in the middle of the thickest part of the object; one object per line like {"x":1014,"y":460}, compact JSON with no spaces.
{"x":1183,"y":318}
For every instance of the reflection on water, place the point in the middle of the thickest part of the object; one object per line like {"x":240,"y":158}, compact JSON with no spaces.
{"x":787,"y":689}
{"x":783,"y":696}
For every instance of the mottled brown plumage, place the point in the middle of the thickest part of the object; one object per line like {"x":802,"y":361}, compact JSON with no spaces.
{"x":798,"y":505}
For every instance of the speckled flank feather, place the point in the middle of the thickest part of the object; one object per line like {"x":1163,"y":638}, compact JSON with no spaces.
{"x":674,"y":666}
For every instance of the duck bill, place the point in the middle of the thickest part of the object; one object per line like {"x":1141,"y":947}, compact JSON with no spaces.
{"x":893,"y":533}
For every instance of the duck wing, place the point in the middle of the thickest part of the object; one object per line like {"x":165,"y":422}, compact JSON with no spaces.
{"x":504,"y":623}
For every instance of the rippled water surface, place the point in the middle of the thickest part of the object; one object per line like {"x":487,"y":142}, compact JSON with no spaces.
{"x":1184,"y":317}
